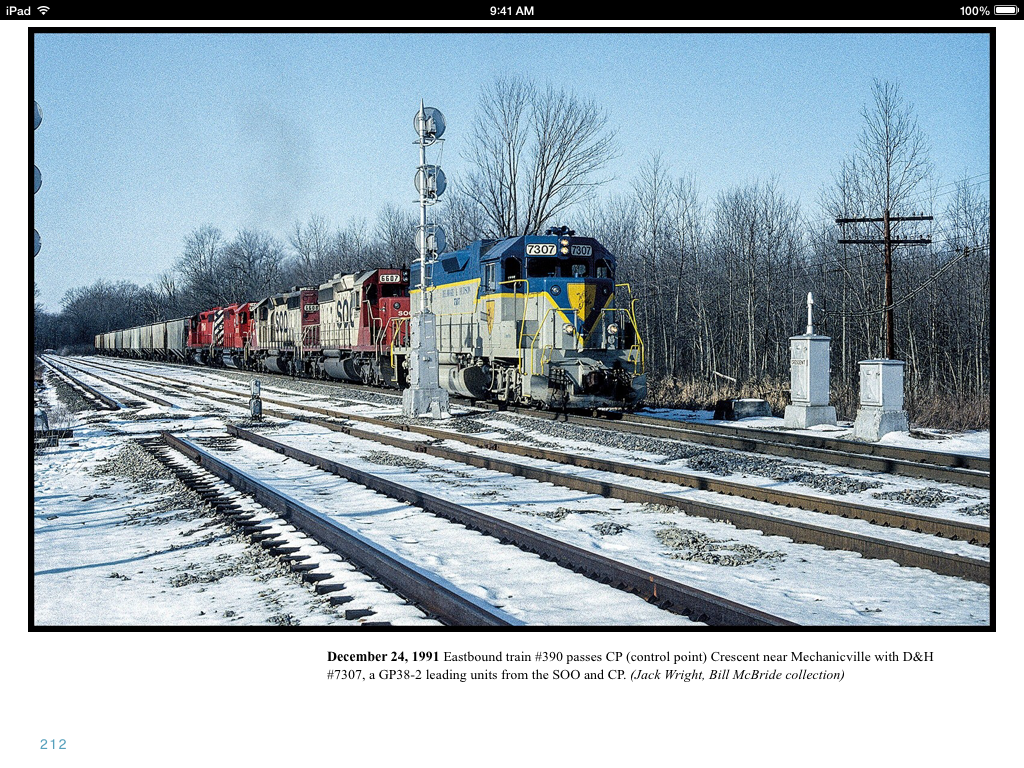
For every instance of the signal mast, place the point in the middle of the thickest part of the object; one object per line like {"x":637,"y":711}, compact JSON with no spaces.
{"x":425,"y":397}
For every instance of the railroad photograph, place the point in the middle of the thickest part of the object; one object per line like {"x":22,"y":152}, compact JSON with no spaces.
{"x":442,"y":330}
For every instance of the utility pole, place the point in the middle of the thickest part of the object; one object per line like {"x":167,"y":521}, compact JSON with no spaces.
{"x":888,"y":241}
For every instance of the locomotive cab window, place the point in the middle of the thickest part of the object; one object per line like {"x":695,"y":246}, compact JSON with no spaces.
{"x":541,"y":266}
{"x":576,"y":268}
{"x":603,"y":269}
{"x":513,"y":268}
{"x":489,"y":277}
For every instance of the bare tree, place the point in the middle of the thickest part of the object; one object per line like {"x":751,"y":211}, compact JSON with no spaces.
{"x":688,"y":295}
{"x":536,"y":153}
{"x":199,"y":267}
{"x":312,"y":245}
{"x":651,"y":190}
{"x":572,"y":145}
{"x":254,"y":262}
{"x":497,"y":148}
{"x":893,"y":153}
{"x":396,"y":235}
{"x":886,"y":171}
{"x":101,"y":307}
{"x":463,"y":218}
{"x":351,"y":248}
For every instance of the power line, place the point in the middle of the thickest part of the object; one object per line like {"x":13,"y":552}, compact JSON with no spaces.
{"x":888,"y":241}
{"x":909,"y":296}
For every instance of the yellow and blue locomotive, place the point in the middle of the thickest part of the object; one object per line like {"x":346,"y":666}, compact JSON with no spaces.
{"x":535,"y":320}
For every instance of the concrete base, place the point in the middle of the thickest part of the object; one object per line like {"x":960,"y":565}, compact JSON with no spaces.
{"x":873,"y":423}
{"x":424,"y":397}
{"x":804,"y":416}
{"x":425,"y":401}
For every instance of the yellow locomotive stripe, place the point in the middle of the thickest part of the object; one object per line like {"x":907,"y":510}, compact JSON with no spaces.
{"x":581,"y":297}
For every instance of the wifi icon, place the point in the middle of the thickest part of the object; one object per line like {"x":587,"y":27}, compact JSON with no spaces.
{"x":43,"y":9}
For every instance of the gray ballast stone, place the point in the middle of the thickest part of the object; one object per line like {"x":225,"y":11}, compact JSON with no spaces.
{"x":925,"y":497}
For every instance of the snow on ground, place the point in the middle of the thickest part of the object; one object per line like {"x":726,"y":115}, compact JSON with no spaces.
{"x":114,"y":548}
{"x":801,"y":582}
{"x":522,"y":584}
{"x":923,"y":497}
{"x":972,"y":443}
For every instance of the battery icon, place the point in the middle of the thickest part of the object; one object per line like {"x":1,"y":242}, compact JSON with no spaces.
{"x":1005,"y":10}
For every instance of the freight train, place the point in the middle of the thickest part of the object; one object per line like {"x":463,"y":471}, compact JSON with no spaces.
{"x":533,"y":320}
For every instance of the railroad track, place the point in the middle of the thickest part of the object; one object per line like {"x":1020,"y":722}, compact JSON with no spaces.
{"x":438,"y":597}
{"x":914,"y":455}
{"x":939,"y":466}
{"x":929,"y":465}
{"x":869,"y":546}
{"x":299,"y":552}
{"x":113,"y":404}
{"x":449,"y":603}
{"x":90,"y":394}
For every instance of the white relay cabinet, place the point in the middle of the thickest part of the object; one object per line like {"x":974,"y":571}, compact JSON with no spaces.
{"x":809,"y":382}
{"x":881,"y":400}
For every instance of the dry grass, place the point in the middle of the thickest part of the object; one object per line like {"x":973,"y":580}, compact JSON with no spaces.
{"x":702,"y":395}
{"x":944,"y":410}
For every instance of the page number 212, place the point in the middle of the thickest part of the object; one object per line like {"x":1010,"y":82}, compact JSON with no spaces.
{"x":54,"y":743}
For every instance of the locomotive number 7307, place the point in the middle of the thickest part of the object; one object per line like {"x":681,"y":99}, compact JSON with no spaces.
{"x":541,"y":249}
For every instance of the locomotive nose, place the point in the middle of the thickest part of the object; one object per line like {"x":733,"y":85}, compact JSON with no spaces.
{"x":607,"y":382}
{"x":586,"y":299}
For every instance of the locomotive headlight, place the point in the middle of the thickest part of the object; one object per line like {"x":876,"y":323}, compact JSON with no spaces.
{"x":568,"y":330}
{"x":564,"y":251}
{"x":397,"y":305}
{"x":564,"y":241}
{"x":613,"y":329}
{"x":555,"y":290}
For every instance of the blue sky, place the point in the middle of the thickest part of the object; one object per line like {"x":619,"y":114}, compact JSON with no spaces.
{"x":147,"y":136}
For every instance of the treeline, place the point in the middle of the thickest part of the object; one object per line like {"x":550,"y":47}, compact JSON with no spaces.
{"x":720,"y":282}
{"x":214,"y":270}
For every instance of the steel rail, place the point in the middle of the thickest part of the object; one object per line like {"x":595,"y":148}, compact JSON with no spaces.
{"x":952,"y":529}
{"x":76,"y":383}
{"x":445,"y":600}
{"x":960,"y":469}
{"x":757,"y":443}
{"x":973,"y":569}
{"x":669,"y":594}
{"x":918,"y":455}
{"x":871,"y":547}
{"x":124,"y":387}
